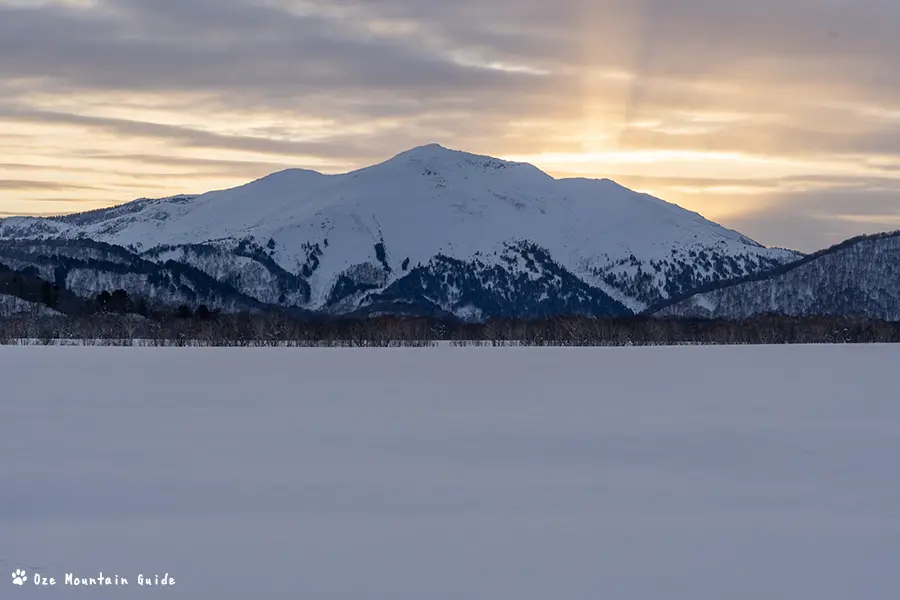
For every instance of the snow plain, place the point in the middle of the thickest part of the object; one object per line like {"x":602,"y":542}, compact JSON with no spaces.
{"x":448,"y":473}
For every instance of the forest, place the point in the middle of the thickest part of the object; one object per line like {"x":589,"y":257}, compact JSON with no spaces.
{"x":208,"y":328}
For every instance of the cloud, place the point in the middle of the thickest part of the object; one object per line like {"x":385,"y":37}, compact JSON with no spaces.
{"x":222,"y":45}
{"x":24,"y":184}
{"x":809,"y":221}
{"x":183,"y":136}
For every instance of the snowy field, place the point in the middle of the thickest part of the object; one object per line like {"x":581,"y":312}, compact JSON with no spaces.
{"x":696,"y":473}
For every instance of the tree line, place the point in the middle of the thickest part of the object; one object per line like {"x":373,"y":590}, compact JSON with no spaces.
{"x":203,"y":327}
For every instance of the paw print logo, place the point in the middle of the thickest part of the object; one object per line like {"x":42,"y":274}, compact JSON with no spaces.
{"x":18,"y":577}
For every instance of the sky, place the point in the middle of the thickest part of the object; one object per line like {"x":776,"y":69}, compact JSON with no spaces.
{"x":779,"y":118}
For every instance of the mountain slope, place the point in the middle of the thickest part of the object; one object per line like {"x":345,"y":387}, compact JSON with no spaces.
{"x":858,"y":277}
{"x":85,"y":268}
{"x":342,"y":243}
{"x":26,"y":293}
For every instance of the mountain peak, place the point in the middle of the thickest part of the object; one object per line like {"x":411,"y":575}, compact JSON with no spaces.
{"x":433,"y":147}
{"x":290,"y":175}
{"x":438,"y":158}
{"x":435,"y":154}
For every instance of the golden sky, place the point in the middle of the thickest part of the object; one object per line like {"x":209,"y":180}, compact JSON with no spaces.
{"x":777,"y":118}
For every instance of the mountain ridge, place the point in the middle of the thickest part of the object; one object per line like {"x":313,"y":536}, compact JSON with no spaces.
{"x":854,"y":277}
{"x":297,"y":237}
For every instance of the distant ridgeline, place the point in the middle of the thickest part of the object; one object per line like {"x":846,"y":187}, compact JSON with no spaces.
{"x":431,"y":233}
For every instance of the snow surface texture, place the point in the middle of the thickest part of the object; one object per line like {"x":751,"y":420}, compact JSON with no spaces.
{"x":441,"y":474}
{"x":373,"y":225}
{"x":858,"y":277}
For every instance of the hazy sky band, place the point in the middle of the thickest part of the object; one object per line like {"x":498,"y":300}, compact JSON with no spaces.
{"x":781,"y":119}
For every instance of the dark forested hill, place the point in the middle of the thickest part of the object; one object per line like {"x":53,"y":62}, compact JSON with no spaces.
{"x":859,"y":277}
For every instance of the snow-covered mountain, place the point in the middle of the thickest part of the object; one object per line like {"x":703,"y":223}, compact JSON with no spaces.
{"x":858,"y":277}
{"x":430,"y":230}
